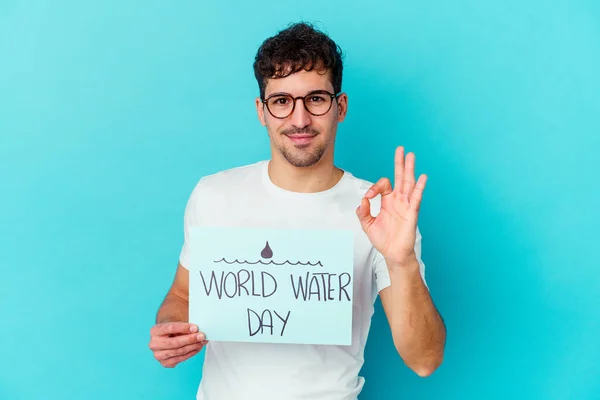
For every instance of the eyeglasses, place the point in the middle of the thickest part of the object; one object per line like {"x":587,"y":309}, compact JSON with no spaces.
{"x":317,"y":103}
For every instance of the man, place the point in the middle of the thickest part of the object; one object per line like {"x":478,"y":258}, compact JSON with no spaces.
{"x":299,"y":73}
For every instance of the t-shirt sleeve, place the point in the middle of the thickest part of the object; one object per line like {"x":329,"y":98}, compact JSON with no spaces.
{"x":191,"y":217}
{"x":380,"y":269}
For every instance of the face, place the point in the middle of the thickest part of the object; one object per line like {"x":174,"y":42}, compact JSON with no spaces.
{"x":302,"y":139}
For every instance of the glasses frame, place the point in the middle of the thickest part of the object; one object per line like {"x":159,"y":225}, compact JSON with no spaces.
{"x":303,"y":98}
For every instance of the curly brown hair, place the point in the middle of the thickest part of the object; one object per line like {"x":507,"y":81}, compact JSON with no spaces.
{"x":300,"y":46}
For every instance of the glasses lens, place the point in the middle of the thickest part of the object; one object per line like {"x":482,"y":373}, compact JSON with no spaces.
{"x":280,"y":106}
{"x":318,"y":103}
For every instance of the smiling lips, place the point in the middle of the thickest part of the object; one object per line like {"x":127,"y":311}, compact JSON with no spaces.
{"x":301,"y":138}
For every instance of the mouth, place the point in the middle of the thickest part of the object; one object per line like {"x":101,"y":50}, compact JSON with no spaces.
{"x":301,"y":138}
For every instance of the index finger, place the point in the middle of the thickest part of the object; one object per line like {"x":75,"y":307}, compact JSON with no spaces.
{"x":173,"y":328}
{"x":399,"y":169}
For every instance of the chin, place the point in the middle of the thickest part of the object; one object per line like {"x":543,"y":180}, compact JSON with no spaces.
{"x":303,"y":159}
{"x":303,"y":163}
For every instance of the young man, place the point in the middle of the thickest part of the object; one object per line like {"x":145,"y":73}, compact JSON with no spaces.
{"x":299,"y":72}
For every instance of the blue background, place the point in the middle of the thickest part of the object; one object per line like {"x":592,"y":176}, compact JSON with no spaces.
{"x":111,"y":111}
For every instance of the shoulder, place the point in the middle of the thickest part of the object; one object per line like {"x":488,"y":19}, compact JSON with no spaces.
{"x":216,"y":186}
{"x":357,"y":187}
{"x":234,"y":177}
{"x":359,"y":184}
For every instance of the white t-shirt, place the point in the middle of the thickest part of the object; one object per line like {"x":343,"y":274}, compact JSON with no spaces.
{"x":246,"y":197}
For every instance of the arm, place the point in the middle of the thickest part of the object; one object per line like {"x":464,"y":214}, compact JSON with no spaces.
{"x":173,"y":340}
{"x":418,"y":330}
{"x":175,"y":305}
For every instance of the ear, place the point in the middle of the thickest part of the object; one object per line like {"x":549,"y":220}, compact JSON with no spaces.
{"x":260,"y":110}
{"x":342,"y":107}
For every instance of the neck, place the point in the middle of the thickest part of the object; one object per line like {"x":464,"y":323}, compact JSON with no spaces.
{"x":317,"y":178}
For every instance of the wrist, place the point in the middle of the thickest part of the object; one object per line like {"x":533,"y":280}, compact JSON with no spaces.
{"x":407,"y":274}
{"x":409,"y":262}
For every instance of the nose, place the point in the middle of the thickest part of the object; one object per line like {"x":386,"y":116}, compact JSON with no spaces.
{"x":300,"y":118}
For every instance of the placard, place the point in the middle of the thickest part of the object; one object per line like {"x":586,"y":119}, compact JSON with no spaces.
{"x":274,"y":286}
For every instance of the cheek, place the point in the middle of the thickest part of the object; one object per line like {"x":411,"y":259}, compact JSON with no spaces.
{"x":330,"y":125}
{"x":274,"y":126}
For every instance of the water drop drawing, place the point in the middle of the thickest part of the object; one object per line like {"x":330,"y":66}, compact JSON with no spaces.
{"x":266,"y":252}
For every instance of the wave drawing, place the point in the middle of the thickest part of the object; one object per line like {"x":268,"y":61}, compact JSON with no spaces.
{"x":267,"y":253}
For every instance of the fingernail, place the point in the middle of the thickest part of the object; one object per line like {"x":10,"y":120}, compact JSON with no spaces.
{"x":193,"y":328}
{"x":201,"y":337}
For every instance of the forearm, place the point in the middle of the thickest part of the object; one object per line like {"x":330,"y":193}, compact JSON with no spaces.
{"x":172,"y":309}
{"x":417,"y":328}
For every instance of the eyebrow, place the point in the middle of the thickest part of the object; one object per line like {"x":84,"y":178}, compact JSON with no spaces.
{"x":289,"y":94}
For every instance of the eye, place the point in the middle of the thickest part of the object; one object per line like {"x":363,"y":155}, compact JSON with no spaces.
{"x":317,"y":98}
{"x":279,"y":101}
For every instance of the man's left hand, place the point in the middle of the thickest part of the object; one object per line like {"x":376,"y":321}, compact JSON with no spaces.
{"x":393,"y":231}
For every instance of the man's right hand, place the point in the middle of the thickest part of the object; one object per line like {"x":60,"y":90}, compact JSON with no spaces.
{"x":174,"y":342}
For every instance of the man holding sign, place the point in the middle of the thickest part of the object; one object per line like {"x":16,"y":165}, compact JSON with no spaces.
{"x":283,"y":259}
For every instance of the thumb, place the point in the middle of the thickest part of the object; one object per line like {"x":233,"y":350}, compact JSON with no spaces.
{"x":363,"y":212}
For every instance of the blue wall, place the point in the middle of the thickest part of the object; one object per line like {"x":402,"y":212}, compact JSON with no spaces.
{"x":110,"y":112}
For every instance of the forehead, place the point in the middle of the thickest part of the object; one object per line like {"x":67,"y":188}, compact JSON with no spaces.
{"x":300,"y":83}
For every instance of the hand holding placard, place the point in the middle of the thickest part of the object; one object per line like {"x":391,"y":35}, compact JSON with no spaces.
{"x":174,"y":342}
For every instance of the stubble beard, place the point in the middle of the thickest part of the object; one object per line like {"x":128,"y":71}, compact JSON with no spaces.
{"x":303,"y":157}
